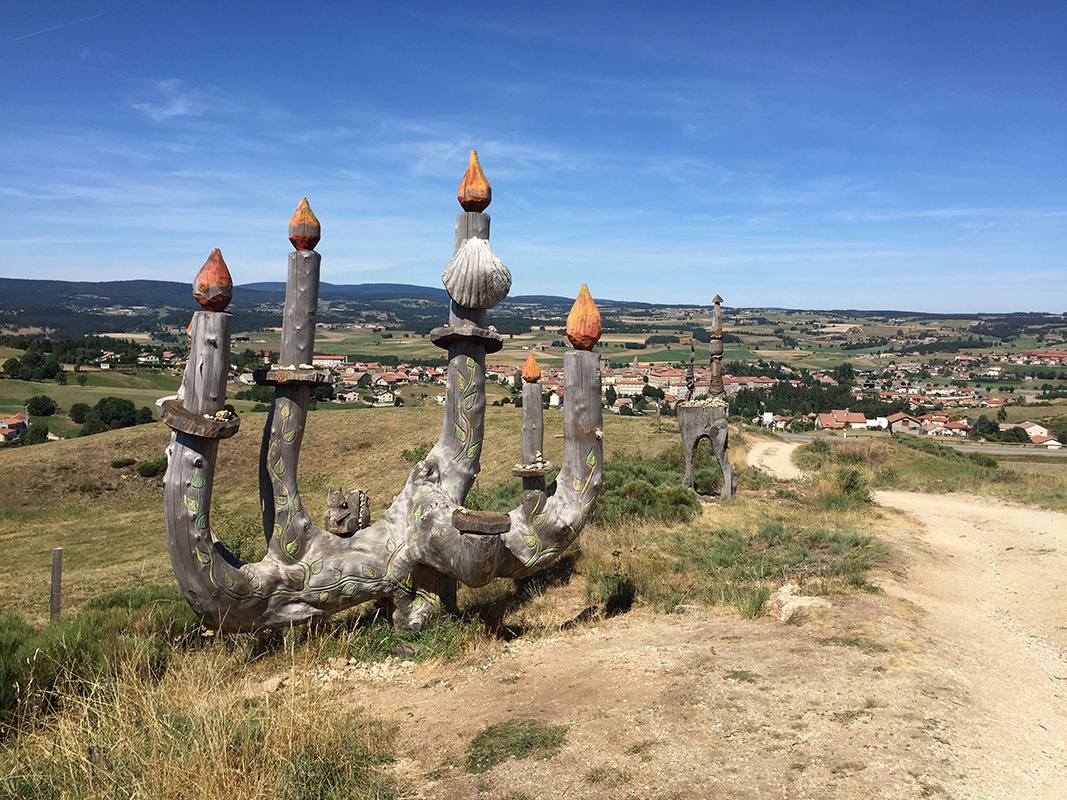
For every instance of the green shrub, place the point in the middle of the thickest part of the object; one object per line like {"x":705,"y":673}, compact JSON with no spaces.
{"x":67,"y":654}
{"x":150,"y":469}
{"x":14,"y":633}
{"x":149,"y":610}
{"x":616,"y":591}
{"x":819,"y":446}
{"x":136,"y":627}
{"x":119,"y":463}
{"x":852,"y":484}
{"x":639,"y":488}
{"x":925,"y":444}
{"x":707,"y":480}
{"x":502,"y":497}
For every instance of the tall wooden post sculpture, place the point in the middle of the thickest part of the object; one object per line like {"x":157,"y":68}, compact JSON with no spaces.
{"x":707,"y":418}
{"x":425,"y":541}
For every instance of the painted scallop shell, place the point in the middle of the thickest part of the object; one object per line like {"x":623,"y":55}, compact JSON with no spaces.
{"x":475,"y":278}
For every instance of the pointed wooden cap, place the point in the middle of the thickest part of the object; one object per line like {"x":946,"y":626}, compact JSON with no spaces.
{"x":716,"y":300}
{"x":531,"y":373}
{"x":304,"y":228}
{"x":475,"y":193}
{"x":213,"y":286}
{"x":583,"y":323}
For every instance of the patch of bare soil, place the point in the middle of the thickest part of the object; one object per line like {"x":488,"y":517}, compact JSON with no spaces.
{"x":951,"y":683}
{"x":776,"y":458}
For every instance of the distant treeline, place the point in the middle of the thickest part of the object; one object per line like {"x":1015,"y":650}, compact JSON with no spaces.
{"x":943,"y":346}
{"x":395,"y":361}
{"x":795,"y":401}
{"x":69,"y":324}
{"x":78,"y":350}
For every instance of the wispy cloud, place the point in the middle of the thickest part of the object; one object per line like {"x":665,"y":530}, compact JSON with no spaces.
{"x":173,"y":100}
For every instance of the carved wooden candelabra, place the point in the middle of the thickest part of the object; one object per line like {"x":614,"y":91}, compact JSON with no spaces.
{"x":412,"y":556}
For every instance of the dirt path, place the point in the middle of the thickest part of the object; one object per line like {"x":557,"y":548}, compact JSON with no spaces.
{"x":775,"y":458}
{"x":992,"y":581}
{"x":952,"y":683}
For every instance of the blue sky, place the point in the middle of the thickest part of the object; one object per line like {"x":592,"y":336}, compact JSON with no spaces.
{"x":897,"y":155}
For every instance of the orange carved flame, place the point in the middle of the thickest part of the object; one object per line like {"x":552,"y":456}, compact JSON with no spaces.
{"x":583,"y":323}
{"x":213,"y":286}
{"x":304,"y":228}
{"x":531,"y":373}
{"x":475,"y":193}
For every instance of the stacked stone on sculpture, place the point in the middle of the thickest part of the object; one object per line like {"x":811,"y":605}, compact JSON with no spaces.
{"x":707,"y":418}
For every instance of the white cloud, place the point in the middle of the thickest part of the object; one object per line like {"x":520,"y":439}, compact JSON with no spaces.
{"x":173,"y":101}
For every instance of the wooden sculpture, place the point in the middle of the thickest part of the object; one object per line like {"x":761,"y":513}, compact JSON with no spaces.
{"x":706,"y":418}
{"x":411,"y":557}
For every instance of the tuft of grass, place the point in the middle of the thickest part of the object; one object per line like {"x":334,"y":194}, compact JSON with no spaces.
{"x":614,"y":590}
{"x":517,"y":738}
{"x":751,"y":601}
{"x":370,"y":637}
{"x":743,"y":676}
{"x":862,"y":643}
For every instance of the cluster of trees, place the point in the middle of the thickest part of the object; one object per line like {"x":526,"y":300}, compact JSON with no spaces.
{"x":1011,"y":326}
{"x":248,"y":360}
{"x":265,"y":394}
{"x":943,"y":346}
{"x":866,"y":343}
{"x":704,"y":335}
{"x":789,"y":400}
{"x":761,"y":369}
{"x":988,"y":429}
{"x":650,"y":398}
{"x":109,"y":413}
{"x":662,"y":339}
{"x":44,"y":358}
{"x":34,"y":365}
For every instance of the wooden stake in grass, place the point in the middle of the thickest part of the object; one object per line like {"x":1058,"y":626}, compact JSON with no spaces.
{"x":55,"y":597}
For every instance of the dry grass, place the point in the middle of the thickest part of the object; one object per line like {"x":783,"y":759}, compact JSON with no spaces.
{"x":920,"y":464}
{"x":110,"y":522}
{"x":197,"y":734}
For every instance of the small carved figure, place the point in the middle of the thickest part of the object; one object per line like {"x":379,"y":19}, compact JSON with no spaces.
{"x":346,"y":515}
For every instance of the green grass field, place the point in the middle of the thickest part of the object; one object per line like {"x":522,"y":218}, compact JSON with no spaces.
{"x":143,"y":389}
